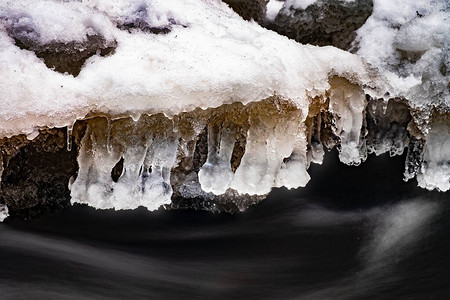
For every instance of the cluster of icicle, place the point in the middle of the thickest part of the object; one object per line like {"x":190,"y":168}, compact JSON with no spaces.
{"x":154,"y":155}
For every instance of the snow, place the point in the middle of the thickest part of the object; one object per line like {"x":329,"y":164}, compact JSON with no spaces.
{"x":409,"y":42}
{"x":303,"y":4}
{"x":299,"y":4}
{"x":216,"y":59}
{"x":273,"y":7}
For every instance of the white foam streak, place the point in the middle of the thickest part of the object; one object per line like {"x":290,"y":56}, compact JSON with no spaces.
{"x":396,"y":229}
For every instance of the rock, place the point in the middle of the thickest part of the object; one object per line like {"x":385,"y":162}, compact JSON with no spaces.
{"x":249,"y":9}
{"x":323,"y":23}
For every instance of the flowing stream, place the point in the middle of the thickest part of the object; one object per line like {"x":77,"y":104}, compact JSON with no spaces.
{"x":352,"y":233}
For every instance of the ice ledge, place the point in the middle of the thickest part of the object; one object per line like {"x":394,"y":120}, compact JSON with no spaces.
{"x":224,"y":158}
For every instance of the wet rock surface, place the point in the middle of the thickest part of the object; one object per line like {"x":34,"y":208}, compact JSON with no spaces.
{"x":249,"y":9}
{"x":323,"y":23}
{"x":68,"y":57}
{"x":36,"y":173}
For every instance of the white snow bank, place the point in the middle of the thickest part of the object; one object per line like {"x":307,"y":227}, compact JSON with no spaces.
{"x":409,"y":42}
{"x":209,"y":58}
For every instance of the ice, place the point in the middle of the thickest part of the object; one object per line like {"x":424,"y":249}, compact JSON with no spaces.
{"x":215,"y":176}
{"x":94,"y":184}
{"x":148,"y":158}
{"x":3,"y":212}
{"x":387,"y":123}
{"x":347,"y":103}
{"x":275,"y":154}
{"x":409,"y":44}
{"x":3,"y":208}
{"x":124,"y":164}
{"x":157,"y":187}
{"x":435,"y":168}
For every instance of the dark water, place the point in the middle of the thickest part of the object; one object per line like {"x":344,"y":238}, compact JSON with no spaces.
{"x":353,"y":233}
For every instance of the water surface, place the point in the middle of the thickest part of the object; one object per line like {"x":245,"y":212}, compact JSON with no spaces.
{"x":353,"y":233}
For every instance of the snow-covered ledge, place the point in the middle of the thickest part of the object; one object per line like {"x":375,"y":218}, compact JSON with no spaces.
{"x":156,"y":99}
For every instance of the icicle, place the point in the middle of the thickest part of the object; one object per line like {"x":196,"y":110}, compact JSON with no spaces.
{"x":385,"y":106}
{"x":291,"y":146}
{"x":215,"y":175}
{"x":31,"y":136}
{"x":174,"y":125}
{"x":148,"y":158}
{"x":128,"y":190}
{"x":435,"y":169}
{"x":94,"y":184}
{"x":135,"y":116}
{"x":293,"y":172}
{"x":1,"y":170}
{"x":69,"y":137}
{"x":157,"y":188}
{"x":108,"y":134}
{"x":414,"y":158}
{"x":316,"y":152}
{"x":271,"y":139}
{"x":347,"y":103}
{"x":3,"y":208}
